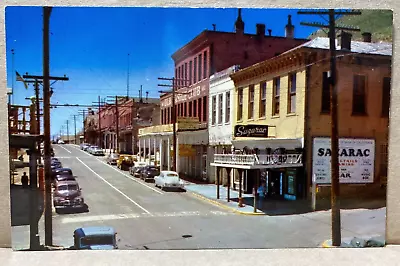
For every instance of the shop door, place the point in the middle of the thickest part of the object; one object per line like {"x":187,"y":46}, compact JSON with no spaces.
{"x":274,"y":185}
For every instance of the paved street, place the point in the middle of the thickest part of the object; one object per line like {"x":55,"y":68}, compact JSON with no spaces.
{"x":147,"y":218}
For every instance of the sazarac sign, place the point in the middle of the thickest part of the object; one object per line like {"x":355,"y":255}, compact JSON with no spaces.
{"x":252,"y":131}
{"x":356,"y":160}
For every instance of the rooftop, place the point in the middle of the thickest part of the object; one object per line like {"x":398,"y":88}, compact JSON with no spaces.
{"x":94,"y":230}
{"x":373,"y":48}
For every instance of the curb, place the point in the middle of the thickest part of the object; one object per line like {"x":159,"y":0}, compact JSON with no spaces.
{"x":224,"y":206}
{"x":326,"y":244}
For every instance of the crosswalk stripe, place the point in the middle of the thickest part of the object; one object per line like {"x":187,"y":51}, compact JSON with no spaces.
{"x":91,"y":218}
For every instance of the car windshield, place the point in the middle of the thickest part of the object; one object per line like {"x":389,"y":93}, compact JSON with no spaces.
{"x":170,"y":174}
{"x":67,"y":187}
{"x":114,"y":156}
{"x":65,"y":172}
{"x":66,"y":178}
{"x":97,"y":240}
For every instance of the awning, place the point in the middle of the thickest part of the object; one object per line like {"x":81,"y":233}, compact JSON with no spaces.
{"x":197,"y":137}
{"x":273,"y":143}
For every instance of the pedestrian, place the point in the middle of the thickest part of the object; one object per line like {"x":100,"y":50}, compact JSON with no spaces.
{"x":24,"y":180}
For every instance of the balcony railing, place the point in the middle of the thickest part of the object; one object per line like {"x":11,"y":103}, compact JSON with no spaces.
{"x":252,"y":159}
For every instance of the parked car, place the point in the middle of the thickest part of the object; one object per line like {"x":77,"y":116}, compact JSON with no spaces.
{"x":112,"y":158}
{"x":149,"y":172}
{"x":124,"y":161}
{"x":60,"y":141}
{"x":99,"y":238}
{"x":83,"y":145}
{"x":62,"y":178}
{"x":168,"y":179}
{"x":61,"y":171}
{"x":87,"y":147}
{"x":136,"y":169}
{"x":67,"y":195}
{"x":55,"y":165}
{"x":97,"y":151}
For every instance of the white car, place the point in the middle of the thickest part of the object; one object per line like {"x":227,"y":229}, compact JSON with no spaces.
{"x":168,"y":179}
{"x":61,"y":141}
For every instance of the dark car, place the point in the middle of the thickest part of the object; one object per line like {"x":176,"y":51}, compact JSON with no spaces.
{"x":61,"y":171}
{"x":63,"y":177}
{"x":136,"y":171}
{"x":149,"y":172}
{"x":55,"y":165}
{"x":67,"y":195}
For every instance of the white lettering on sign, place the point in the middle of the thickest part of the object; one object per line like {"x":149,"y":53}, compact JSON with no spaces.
{"x":242,"y":131}
{"x":356,"y":160}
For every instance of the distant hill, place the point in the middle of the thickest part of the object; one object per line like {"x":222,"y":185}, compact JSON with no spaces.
{"x":378,"y":22}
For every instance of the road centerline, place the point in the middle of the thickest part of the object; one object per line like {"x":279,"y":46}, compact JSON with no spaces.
{"x":119,"y":191}
{"x":131,"y":178}
{"x":64,"y":148}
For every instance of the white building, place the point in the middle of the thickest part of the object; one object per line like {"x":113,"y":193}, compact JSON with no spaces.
{"x":220,"y":115}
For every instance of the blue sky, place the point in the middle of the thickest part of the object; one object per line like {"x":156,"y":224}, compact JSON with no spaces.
{"x":91,"y":45}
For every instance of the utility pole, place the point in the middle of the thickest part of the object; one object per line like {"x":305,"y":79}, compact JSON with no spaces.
{"x":174,"y":116}
{"x":83,"y":112}
{"x":67,"y":131}
{"x":46,"y":112}
{"x":46,"y":117}
{"x":38,"y":116}
{"x":75,"y":128}
{"x":99,"y":104}
{"x":335,"y":184}
{"x":116,"y":121}
{"x":127,"y":82}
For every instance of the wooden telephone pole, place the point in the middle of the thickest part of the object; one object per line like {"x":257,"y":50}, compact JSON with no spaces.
{"x":335,"y":184}
{"x":83,"y":112}
{"x":174,"y":115}
{"x":46,"y":117}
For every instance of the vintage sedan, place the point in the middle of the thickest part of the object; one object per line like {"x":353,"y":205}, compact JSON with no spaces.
{"x":125,"y":161}
{"x":61,"y":171}
{"x":67,"y":195}
{"x":168,"y":179}
{"x":97,"y":151}
{"x":99,"y":238}
{"x":149,"y":172}
{"x":62,"y":178}
{"x":112,"y":158}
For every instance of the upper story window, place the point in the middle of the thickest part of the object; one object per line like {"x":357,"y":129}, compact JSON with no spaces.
{"x":292,"y":93}
{"x":200,"y":68}
{"x":195,"y":70}
{"x":251,"y":102}
{"x":214,"y":109}
{"x":205,"y":69}
{"x":220,"y":108}
{"x":227,"y":106}
{"x":240,"y":104}
{"x":276,"y":96}
{"x":190,"y":72}
{"x":359,"y":95}
{"x":326,"y":94}
{"x":263,"y":99}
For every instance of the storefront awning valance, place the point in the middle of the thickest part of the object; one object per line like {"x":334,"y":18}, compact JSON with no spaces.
{"x":263,"y":143}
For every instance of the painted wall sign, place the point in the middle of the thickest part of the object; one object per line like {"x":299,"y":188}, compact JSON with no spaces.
{"x":258,"y":131}
{"x":187,"y":94}
{"x":356,"y":160}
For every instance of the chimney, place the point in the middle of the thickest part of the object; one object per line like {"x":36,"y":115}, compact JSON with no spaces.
{"x":269,"y":32}
{"x":239,"y":24}
{"x":214,"y":27}
{"x":367,"y":36}
{"x":147,"y":96}
{"x":260,"y":29}
{"x":345,"y":41}
{"x":289,"y":29}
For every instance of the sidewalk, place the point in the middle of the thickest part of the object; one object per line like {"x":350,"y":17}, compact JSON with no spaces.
{"x":271,"y":207}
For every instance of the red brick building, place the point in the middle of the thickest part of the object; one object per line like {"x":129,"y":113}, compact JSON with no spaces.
{"x":208,"y":53}
{"x":133,"y":113}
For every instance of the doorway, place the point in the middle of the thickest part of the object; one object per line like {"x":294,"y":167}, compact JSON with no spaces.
{"x":275,"y":184}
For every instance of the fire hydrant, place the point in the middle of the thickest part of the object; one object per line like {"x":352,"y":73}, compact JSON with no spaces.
{"x":241,"y":202}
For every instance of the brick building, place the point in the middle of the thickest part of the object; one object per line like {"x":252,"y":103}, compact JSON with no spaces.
{"x":281,"y":125}
{"x":208,"y":53}
{"x":133,"y":113}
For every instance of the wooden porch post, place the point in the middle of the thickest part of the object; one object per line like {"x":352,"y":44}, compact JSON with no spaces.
{"x":255,"y":190}
{"x":217,"y":173}
{"x":240,"y":187}
{"x":228,"y":171}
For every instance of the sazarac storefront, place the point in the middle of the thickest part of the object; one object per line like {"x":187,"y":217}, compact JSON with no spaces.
{"x":275,"y":163}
